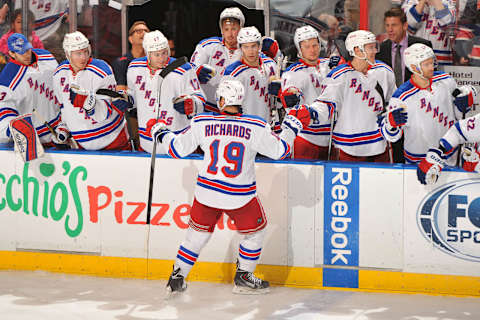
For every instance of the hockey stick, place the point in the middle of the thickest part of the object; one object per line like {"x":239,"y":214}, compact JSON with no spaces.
{"x":455,"y":93}
{"x":342,"y":50}
{"x":330,"y":140}
{"x":172,"y":66}
{"x":379,"y":89}
{"x":70,"y":141}
{"x":169,"y":68}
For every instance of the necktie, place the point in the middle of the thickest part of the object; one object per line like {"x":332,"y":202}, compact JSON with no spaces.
{"x":397,"y":67}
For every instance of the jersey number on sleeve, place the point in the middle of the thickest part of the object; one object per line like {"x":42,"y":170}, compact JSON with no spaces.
{"x":232,"y":153}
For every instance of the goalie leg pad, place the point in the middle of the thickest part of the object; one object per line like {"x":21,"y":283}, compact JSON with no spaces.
{"x":25,"y":137}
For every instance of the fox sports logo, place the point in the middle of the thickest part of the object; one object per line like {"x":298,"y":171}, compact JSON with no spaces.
{"x":449,"y":217}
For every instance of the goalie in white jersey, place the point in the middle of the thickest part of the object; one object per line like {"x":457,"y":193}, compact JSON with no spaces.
{"x":226,"y":179}
{"x":213,"y":55}
{"x":429,"y":19}
{"x":253,"y":70}
{"x":179,"y":98}
{"x":356,"y":92}
{"x":95,"y":122}
{"x":463,"y":132}
{"x":423,"y":108}
{"x":26,"y":85}
{"x":302,"y":82}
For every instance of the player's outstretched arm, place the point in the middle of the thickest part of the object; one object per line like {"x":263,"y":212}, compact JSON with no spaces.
{"x":280,"y":147}
{"x":467,"y":130}
{"x":178,"y":145}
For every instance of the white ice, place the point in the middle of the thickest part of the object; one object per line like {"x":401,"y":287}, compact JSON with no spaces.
{"x":41,"y":295}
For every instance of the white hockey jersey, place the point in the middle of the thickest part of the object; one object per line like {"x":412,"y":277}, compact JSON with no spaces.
{"x":214,"y":52}
{"x":307,"y":79}
{"x":357,"y":102}
{"x":255,"y":80}
{"x":430,"y":115}
{"x":226,"y":177}
{"x":25,"y":88}
{"x":432,"y":25}
{"x":48,"y":15}
{"x":143,"y":86}
{"x":97,"y":131}
{"x":463,"y":131}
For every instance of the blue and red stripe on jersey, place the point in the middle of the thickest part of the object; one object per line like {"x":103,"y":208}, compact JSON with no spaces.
{"x":257,"y":121}
{"x":227,"y":188}
{"x":209,"y":41}
{"x":7,"y":112}
{"x":317,"y":130}
{"x":248,"y":254}
{"x":412,"y":158}
{"x":338,"y":71}
{"x":102,"y":74}
{"x":43,"y":129}
{"x":47,"y":21}
{"x":18,"y":77}
{"x":357,"y":138}
{"x":88,"y":135}
{"x":187,"y":256}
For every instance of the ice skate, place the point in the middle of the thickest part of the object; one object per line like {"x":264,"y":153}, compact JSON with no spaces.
{"x":176,"y":283}
{"x":247,"y":283}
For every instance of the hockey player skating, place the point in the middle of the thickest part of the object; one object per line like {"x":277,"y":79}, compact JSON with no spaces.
{"x":213,"y":55}
{"x":95,"y":122}
{"x":302,"y":82}
{"x":356,"y":92}
{"x":179,"y":98}
{"x":253,"y":70}
{"x":423,"y":108}
{"x":226,"y":181}
{"x":467,"y":130}
{"x":429,"y":19}
{"x":26,"y":87}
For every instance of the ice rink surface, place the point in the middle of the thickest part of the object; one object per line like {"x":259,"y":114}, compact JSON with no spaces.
{"x":40,"y":296}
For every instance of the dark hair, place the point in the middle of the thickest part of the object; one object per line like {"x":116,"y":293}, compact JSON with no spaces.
{"x":396,"y":12}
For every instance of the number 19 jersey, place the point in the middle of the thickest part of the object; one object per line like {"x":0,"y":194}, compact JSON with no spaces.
{"x":226,"y":178}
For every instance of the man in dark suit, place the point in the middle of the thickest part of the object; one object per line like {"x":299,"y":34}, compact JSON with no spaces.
{"x":391,"y":52}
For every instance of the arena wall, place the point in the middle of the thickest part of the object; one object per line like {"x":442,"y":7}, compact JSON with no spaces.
{"x":331,"y":225}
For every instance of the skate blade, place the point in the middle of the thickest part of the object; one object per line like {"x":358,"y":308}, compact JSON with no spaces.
{"x":246,"y":290}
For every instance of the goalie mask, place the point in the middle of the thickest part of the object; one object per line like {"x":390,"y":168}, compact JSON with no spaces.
{"x":415,"y":55}
{"x":232,"y":91}
{"x":230,"y":14}
{"x":75,"y":41}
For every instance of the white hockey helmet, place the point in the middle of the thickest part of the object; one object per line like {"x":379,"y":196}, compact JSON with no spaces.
{"x":232,"y":13}
{"x":75,"y":41}
{"x":155,"y":41}
{"x":359,"y":38}
{"x":305,"y":33}
{"x":416,"y":54}
{"x":248,"y":34}
{"x":232,"y":91}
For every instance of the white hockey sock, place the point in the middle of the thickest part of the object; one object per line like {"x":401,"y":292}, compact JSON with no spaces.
{"x":250,"y":249}
{"x":190,"y":250}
